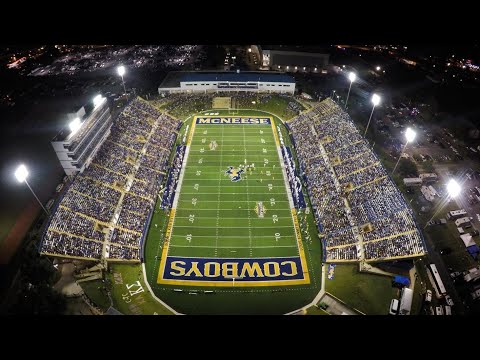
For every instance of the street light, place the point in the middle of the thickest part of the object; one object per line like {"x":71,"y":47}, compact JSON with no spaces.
{"x":375,"y":101}
{"x":121,"y":72}
{"x":378,"y":68}
{"x":410,"y":136}
{"x":352,"y":76}
{"x":453,"y":189}
{"x":21,"y":174}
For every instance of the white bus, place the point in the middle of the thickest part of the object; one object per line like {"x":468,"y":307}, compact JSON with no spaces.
{"x":438,"y":281}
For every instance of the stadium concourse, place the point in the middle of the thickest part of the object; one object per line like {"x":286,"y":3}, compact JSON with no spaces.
{"x":360,"y":213}
{"x":105,"y":211}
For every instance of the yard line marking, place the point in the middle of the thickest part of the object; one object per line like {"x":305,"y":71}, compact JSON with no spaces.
{"x":232,"y":247}
{"x":236,"y":236}
{"x":233,"y":227}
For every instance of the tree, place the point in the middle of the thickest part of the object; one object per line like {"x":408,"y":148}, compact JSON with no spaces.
{"x":407,"y":167}
{"x":428,"y":166}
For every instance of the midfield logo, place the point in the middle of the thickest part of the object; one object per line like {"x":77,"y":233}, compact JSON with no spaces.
{"x":235,"y":174}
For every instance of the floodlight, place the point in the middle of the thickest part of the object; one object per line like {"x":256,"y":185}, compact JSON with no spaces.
{"x":410,"y":134}
{"x":453,"y":188}
{"x":75,"y":125}
{"x":352,"y":76}
{"x":375,"y":99}
{"x":121,"y":70}
{"x":21,"y":173}
{"x":97,"y":100}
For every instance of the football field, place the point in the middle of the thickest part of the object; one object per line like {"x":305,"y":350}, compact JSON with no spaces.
{"x":232,"y":218}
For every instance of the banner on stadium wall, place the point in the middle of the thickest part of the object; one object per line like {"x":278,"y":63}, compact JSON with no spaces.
{"x":233,"y":120}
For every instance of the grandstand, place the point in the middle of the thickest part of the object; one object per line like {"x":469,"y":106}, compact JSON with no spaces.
{"x":104,"y":213}
{"x":76,"y":144}
{"x":360,"y":213}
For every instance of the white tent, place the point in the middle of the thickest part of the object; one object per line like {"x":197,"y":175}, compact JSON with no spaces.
{"x":467,"y":240}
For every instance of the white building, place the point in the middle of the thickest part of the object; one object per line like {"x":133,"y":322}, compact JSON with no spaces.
{"x":77,"y":143}
{"x":428,"y":193}
{"x":406,"y":301}
{"x":206,"y":82}
{"x":290,"y":60}
{"x":461,"y":221}
{"x":412,"y":181}
{"x":428,"y":177}
{"x":455,"y":214}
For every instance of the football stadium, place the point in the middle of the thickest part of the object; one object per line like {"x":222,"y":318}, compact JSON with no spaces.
{"x":201,"y":203}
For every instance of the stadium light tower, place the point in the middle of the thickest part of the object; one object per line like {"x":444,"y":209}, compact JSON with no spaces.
{"x":352,"y":76}
{"x":410,"y":136}
{"x":121,"y":72}
{"x":21,"y":174}
{"x":453,"y":190}
{"x":375,"y":101}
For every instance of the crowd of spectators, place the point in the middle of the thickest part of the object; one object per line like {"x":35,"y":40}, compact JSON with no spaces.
{"x":351,"y":193}
{"x":113,"y":198}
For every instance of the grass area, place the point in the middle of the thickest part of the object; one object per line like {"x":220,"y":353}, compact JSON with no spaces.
{"x":265,"y":300}
{"x":444,"y":236}
{"x":368,"y":293}
{"x":313,"y":310}
{"x":128,"y":297}
{"x":96,"y":291}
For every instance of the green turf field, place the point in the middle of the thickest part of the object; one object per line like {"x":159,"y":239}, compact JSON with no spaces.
{"x":226,"y":228}
{"x":226,"y":211}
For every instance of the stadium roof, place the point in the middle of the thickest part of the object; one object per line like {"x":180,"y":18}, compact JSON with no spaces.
{"x":232,"y":76}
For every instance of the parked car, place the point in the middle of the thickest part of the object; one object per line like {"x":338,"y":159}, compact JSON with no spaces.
{"x":455,"y":274}
{"x":393,"y":307}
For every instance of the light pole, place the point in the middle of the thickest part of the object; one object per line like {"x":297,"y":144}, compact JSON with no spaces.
{"x":375,"y":101}
{"x":21,"y":174}
{"x":410,"y":136}
{"x":352,"y":76}
{"x":453,"y":189}
{"x":121,"y":72}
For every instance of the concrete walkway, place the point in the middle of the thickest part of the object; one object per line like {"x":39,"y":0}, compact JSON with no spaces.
{"x":67,"y":284}
{"x":335,"y":307}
